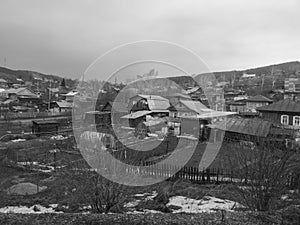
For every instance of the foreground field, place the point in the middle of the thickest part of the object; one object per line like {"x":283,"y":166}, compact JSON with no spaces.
{"x":40,"y":187}
{"x":134,"y":219}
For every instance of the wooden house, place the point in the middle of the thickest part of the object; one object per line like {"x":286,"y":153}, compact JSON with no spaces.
{"x":256,"y":101}
{"x":285,"y":112}
{"x":146,"y":107}
{"x":237,"y":106}
{"x":188,"y":108}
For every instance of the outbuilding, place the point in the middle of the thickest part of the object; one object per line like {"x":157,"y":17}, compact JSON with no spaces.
{"x":44,"y":126}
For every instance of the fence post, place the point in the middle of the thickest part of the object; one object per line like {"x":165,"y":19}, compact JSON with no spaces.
{"x":203,"y":175}
{"x":197,"y":175}
{"x":208,"y":175}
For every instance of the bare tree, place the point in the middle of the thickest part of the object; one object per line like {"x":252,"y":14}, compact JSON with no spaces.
{"x":264,"y":169}
{"x":109,"y":196}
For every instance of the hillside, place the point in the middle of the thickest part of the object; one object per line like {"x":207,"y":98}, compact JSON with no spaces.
{"x":282,"y":70}
{"x":11,"y":75}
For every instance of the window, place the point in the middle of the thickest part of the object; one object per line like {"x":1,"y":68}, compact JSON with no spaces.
{"x":296,"y":120}
{"x":285,"y":119}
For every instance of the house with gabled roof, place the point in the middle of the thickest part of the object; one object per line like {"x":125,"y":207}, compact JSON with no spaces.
{"x":23,"y":95}
{"x":153,"y":103}
{"x":142,"y":107}
{"x":20,"y":92}
{"x":285,"y":112}
{"x":237,"y":106}
{"x":61,"y":106}
{"x":188,"y":108}
{"x":256,"y":101}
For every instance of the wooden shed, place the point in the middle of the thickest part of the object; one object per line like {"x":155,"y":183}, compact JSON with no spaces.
{"x":44,"y":126}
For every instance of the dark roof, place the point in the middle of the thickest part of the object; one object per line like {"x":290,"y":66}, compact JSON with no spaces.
{"x":238,"y":102}
{"x":286,"y":105}
{"x":64,"y":104}
{"x":254,"y":127}
{"x":44,"y":122}
{"x":259,"y":98}
{"x":249,"y":113}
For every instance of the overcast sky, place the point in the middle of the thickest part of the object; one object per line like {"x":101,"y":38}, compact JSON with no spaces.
{"x":63,"y":37}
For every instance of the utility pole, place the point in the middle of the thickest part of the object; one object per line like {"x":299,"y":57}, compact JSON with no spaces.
{"x":272,"y":73}
{"x":49,"y":97}
{"x":232,"y":82}
{"x":262,"y":81}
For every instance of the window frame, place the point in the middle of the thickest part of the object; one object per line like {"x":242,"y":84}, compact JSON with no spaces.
{"x":294,"y":119}
{"x":282,"y":119}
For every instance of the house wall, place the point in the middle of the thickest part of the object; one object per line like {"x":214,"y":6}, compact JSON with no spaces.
{"x":252,"y":106}
{"x":276,"y":117}
{"x":182,"y":110}
{"x":292,"y":96}
{"x":237,"y":108}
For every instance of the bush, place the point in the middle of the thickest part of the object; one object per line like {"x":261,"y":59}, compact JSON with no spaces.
{"x":108,"y":196}
{"x":264,"y":170}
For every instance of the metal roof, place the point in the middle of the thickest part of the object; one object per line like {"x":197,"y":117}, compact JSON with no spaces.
{"x":153,"y":97}
{"x":71,"y":94}
{"x":254,"y":127}
{"x":20,"y":91}
{"x":93,"y":112}
{"x":64,"y":104}
{"x":195,"y":106}
{"x":259,"y":98}
{"x":156,"y":122}
{"x":136,"y":115}
{"x":157,"y":104}
{"x":45,"y":122}
{"x":286,"y":105}
{"x":209,"y":115}
{"x":215,"y":114}
{"x":238,"y":102}
{"x":179,"y":95}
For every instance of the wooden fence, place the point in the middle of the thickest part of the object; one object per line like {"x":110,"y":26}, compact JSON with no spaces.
{"x":33,"y":115}
{"x":173,"y":173}
{"x":144,"y":169}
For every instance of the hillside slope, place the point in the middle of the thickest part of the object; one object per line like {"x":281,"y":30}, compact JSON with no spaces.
{"x":11,"y":75}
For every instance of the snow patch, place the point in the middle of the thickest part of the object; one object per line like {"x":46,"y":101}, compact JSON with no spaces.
{"x":207,"y":204}
{"x":18,"y":140}
{"x":25,"y":189}
{"x":25,"y":209}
